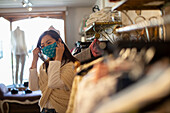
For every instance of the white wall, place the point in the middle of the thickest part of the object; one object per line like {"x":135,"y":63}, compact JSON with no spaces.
{"x":5,"y":61}
{"x":100,"y":3}
{"x":73,"y":20}
{"x":104,"y":3}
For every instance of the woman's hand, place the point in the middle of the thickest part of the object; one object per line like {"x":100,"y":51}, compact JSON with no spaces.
{"x":35,"y":57}
{"x":35,"y":53}
{"x":59,"y":50}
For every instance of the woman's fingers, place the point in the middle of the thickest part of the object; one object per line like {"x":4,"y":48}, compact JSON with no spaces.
{"x":59,"y":40}
{"x":60,"y":44}
{"x":35,"y":54}
{"x":59,"y":50}
{"x":36,"y":50}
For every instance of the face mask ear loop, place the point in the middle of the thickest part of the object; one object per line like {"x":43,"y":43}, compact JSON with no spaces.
{"x":41,"y":55}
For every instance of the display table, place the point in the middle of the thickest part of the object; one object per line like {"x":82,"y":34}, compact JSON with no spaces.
{"x":20,"y":98}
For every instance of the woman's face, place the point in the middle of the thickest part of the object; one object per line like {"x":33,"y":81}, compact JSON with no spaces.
{"x":47,"y":40}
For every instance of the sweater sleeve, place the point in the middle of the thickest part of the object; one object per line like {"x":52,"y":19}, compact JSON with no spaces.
{"x":33,"y":80}
{"x":54,"y":79}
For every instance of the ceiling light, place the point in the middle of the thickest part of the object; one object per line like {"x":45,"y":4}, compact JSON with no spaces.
{"x":29,"y":8}
{"x":28,"y":4}
{"x":24,"y":5}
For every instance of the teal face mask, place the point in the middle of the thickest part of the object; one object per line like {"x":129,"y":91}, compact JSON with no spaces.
{"x":50,"y":50}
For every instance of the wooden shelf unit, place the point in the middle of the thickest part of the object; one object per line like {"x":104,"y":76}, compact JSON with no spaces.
{"x":139,"y":5}
{"x":97,"y":26}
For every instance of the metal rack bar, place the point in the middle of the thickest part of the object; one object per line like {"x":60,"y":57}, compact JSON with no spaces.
{"x":145,"y":24}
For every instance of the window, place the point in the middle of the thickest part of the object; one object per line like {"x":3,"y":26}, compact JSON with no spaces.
{"x":33,"y":25}
{"x":5,"y":53}
{"x":33,"y":28}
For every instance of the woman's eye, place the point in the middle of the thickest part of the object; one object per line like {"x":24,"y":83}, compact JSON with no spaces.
{"x":49,"y":43}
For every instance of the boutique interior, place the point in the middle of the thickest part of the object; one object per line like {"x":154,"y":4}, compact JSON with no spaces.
{"x":122,"y":46}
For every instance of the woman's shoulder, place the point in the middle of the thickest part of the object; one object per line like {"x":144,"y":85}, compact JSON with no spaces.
{"x":68,"y":68}
{"x":67,"y":65}
{"x":70,"y":63}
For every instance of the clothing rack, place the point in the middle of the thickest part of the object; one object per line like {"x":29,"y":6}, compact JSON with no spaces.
{"x":98,"y":29}
{"x":156,"y":50}
{"x":144,"y":24}
{"x":143,"y":5}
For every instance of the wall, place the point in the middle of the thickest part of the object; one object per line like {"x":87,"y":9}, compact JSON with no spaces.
{"x":104,"y":3}
{"x":73,"y":20}
{"x":100,"y":3}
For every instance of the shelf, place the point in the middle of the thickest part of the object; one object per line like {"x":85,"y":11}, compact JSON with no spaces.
{"x":97,"y":26}
{"x":139,"y":5}
{"x":145,"y":24}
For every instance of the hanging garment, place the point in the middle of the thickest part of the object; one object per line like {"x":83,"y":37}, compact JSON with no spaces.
{"x":140,"y":94}
{"x":83,"y":55}
{"x":103,"y":15}
{"x":87,"y":65}
{"x":76,"y":50}
{"x":71,"y":106}
{"x":89,"y":92}
{"x":83,"y":25}
{"x":95,"y":48}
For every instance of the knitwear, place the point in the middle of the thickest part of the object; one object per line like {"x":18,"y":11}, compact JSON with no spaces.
{"x":59,"y":98}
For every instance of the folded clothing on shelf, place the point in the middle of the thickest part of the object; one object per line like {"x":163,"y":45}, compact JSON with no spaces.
{"x":103,"y":15}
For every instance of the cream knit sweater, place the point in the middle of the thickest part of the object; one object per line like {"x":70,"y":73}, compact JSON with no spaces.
{"x":57,"y":97}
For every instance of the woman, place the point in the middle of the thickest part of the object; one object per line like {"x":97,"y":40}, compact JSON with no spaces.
{"x":56,"y":74}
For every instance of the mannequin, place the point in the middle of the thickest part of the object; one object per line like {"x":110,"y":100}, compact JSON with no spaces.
{"x":19,"y":50}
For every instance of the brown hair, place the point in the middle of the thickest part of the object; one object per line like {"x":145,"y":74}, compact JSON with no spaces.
{"x":67,"y":56}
